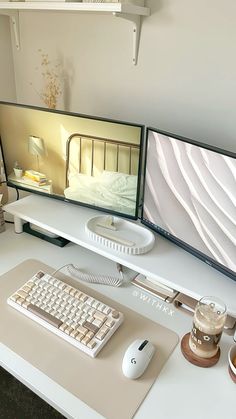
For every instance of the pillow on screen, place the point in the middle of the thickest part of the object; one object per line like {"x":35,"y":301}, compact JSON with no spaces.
{"x":119,"y":183}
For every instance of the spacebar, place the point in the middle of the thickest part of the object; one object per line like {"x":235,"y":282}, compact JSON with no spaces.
{"x":44,"y":315}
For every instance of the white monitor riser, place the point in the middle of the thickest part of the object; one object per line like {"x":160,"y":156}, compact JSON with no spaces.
{"x":166,"y":262}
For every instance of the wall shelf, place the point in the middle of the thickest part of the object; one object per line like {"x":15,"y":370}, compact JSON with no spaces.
{"x":130,"y":11}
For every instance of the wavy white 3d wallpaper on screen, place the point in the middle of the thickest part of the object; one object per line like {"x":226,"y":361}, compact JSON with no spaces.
{"x":184,"y":81}
{"x":190,"y":193}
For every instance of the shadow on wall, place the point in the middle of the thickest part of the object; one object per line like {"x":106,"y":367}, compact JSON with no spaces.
{"x":160,"y":7}
{"x":68,"y":77}
{"x":155,"y":5}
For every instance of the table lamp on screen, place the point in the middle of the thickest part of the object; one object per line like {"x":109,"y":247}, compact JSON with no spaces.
{"x":36,"y":147}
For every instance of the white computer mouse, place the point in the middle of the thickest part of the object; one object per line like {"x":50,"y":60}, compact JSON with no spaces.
{"x":137,"y":357}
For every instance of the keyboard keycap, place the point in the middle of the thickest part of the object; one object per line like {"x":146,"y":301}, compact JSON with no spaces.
{"x":44,"y":315}
{"x":91,"y":327}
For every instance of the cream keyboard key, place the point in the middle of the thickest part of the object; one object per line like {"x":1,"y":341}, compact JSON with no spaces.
{"x":62,"y":286}
{"x":102,"y":333}
{"x":63,"y":327}
{"x":90,"y":319}
{"x":100,"y":316}
{"x":20,"y":300}
{"x":95,"y":304}
{"x":97,"y":323}
{"x":82,"y":330}
{"x":14,"y":297}
{"x":72,"y":292}
{"x":91,"y":311}
{"x":91,"y":344}
{"x":83,"y":298}
{"x":26,"y":289}
{"x":79,"y":337}
{"x":106,"y":310}
{"x":22,"y":294}
{"x":25,"y":304}
{"x":101,"y":307}
{"x":30,"y":284}
{"x":90,"y":335}
{"x":68,"y":330}
{"x":90,"y":301}
{"x":69,"y":322}
{"x":85,"y":340}
{"x":74,"y":333}
{"x":110,"y":322}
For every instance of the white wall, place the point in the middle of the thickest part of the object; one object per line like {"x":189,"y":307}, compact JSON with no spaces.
{"x":185,"y":80}
{"x":7,"y":79}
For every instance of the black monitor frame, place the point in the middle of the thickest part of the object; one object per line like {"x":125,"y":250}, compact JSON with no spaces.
{"x":205,"y":258}
{"x":61,"y":198}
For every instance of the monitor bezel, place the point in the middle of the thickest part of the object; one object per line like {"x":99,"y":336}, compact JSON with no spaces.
{"x":70,"y":201}
{"x":157,"y":229}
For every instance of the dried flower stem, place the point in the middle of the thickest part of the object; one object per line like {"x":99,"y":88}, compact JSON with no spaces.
{"x":51,"y":75}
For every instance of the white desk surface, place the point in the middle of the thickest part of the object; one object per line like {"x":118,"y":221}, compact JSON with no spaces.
{"x":180,"y":391}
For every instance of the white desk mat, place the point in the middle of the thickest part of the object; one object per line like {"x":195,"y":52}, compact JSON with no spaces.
{"x":99,"y":381}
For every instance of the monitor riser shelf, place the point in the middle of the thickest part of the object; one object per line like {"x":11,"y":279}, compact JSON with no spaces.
{"x":166,"y":262}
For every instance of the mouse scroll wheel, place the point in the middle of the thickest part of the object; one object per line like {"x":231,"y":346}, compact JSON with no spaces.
{"x":143,"y":344}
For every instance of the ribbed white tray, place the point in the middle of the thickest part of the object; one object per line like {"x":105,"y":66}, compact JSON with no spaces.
{"x":136,"y":239}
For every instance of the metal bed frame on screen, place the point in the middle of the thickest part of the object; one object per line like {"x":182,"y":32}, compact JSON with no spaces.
{"x":130,"y":147}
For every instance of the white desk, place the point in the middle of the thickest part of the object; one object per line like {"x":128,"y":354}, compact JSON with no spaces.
{"x":181,"y":390}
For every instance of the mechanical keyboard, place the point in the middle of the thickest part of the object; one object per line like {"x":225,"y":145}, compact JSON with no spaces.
{"x":76,"y":317}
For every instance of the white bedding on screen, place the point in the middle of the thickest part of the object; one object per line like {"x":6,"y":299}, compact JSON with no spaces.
{"x":111,"y":190}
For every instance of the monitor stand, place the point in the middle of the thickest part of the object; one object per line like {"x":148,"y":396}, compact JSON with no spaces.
{"x":41,"y":233}
{"x":165,"y":262}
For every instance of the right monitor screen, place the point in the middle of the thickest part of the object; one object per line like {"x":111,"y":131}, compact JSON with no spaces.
{"x":190,"y":197}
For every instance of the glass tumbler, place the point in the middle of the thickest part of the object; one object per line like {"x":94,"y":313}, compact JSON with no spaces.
{"x":208,"y":323}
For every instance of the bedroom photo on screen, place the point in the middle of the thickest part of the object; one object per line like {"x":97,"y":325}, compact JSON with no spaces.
{"x":80,"y":159}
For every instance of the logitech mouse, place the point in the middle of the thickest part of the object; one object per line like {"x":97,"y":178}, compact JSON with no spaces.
{"x":137,"y":357}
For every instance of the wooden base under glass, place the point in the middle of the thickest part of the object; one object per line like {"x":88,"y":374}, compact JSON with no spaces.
{"x":193,"y":358}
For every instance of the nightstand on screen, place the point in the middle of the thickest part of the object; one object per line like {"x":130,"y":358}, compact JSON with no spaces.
{"x":31,"y":184}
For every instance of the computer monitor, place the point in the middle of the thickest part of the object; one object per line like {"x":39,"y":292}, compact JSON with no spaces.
{"x":80,"y":159}
{"x":190,"y":197}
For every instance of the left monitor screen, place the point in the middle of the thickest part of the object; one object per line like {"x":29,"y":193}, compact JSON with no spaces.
{"x":82,"y":159}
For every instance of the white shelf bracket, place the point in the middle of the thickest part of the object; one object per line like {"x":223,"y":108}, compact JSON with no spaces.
{"x":14,"y":19}
{"x":136,"y":20}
